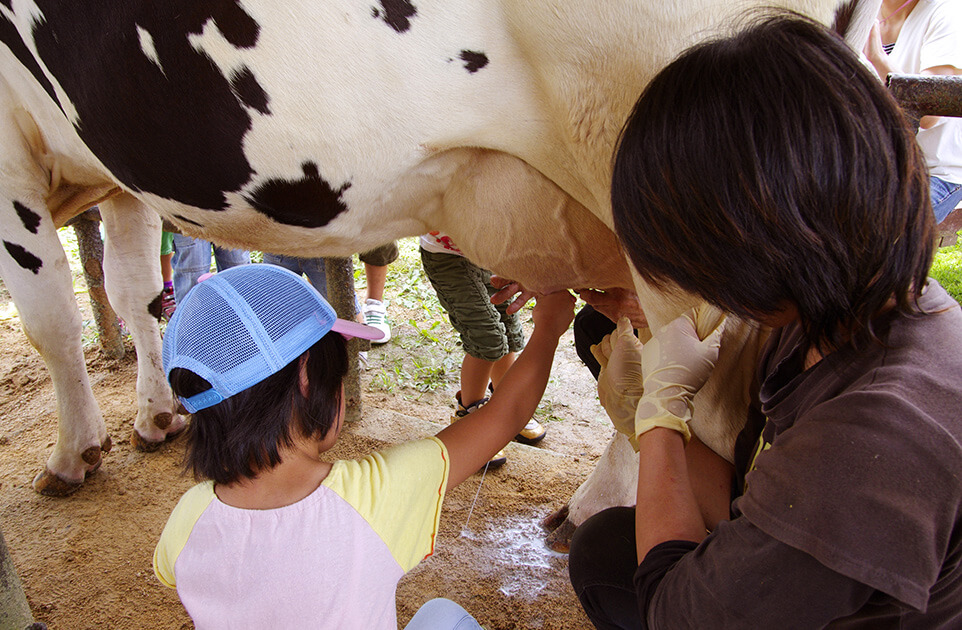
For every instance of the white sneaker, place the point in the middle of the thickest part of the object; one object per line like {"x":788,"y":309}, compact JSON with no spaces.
{"x":375,"y":315}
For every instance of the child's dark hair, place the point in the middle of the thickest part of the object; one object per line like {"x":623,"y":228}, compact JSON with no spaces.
{"x":773,"y":168}
{"x":239,"y":437}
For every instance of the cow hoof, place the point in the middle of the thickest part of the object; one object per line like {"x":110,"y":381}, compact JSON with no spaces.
{"x":149,"y":446}
{"x":559,"y":540}
{"x":555,"y":519}
{"x":91,"y":456}
{"x":559,"y":529}
{"x":50,"y":485}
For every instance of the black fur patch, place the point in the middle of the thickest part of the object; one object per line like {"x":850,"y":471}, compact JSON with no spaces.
{"x":11,"y":37}
{"x":396,"y":13}
{"x":24,"y":258}
{"x":30,"y":219}
{"x":249,"y":91}
{"x":306,"y":202}
{"x":843,"y":17}
{"x":473,"y":60}
{"x":175,"y":130}
{"x":156,"y":308}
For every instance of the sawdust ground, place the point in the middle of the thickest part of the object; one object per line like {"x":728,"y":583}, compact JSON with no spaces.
{"x":85,"y":560}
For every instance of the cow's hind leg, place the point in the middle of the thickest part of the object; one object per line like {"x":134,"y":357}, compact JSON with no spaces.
{"x":36,"y":273}
{"x":133,"y":282}
{"x":613,"y":482}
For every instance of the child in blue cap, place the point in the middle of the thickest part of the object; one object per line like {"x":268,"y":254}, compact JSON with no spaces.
{"x":276,"y":537}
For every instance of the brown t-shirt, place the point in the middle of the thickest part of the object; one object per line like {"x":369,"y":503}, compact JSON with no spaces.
{"x":851,"y":511}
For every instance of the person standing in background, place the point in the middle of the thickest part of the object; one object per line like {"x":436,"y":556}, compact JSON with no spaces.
{"x":925,"y":37}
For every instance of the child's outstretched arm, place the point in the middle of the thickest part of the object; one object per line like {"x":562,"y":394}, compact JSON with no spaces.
{"x":472,"y":440}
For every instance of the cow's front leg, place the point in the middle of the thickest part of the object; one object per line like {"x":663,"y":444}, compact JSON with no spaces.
{"x":36,"y":272}
{"x":133,"y":282}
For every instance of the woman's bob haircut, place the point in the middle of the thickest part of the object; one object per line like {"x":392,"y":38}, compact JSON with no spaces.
{"x":772,"y":168}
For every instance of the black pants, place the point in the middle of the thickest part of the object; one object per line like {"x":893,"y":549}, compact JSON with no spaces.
{"x":602,"y":564}
{"x":590,"y":327}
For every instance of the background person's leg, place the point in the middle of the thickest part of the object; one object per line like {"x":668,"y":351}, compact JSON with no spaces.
{"x":227,"y":258}
{"x":191,"y":259}
{"x":287,"y":262}
{"x":316,"y":272}
{"x":374,"y":310}
{"x":945,"y":197}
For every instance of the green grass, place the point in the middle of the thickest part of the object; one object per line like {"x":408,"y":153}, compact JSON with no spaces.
{"x":424,"y":354}
{"x":947,"y":269}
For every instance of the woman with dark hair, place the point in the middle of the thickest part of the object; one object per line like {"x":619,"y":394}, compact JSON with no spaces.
{"x":770,"y":174}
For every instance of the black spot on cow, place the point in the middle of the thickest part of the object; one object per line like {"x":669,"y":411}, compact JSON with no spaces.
{"x":24,"y":258}
{"x":306,"y":202}
{"x":172,"y":125}
{"x":249,"y":91}
{"x":11,"y":37}
{"x":156,"y":307}
{"x":7,"y":3}
{"x":473,"y":60}
{"x":396,"y":13}
{"x":30,"y":219}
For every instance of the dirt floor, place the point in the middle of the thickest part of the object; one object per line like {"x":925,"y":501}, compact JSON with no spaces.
{"x":85,"y":561}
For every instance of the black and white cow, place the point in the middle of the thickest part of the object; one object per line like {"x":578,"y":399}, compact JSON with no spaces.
{"x":324,"y":128}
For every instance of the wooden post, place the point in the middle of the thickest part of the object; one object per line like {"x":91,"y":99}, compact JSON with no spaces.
{"x":91,"y":245}
{"x":927,"y":95}
{"x":14,"y":611}
{"x":931,"y":95}
{"x":340,"y":293}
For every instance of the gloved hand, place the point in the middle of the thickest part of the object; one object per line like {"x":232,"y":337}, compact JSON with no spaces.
{"x":675,"y":364}
{"x":620,"y":379}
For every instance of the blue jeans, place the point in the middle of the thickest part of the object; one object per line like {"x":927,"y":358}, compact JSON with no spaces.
{"x":442,"y":614}
{"x":313,"y":268}
{"x":192,"y":258}
{"x":945,"y":197}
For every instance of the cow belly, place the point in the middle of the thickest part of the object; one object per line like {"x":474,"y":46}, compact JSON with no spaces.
{"x":506,"y":216}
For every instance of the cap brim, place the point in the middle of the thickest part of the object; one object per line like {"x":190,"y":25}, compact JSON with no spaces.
{"x":355,"y":329}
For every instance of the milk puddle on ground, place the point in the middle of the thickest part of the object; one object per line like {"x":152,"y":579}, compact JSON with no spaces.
{"x":517,"y":552}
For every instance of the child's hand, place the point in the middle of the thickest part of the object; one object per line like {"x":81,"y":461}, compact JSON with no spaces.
{"x":554,"y":312}
{"x":507,"y":289}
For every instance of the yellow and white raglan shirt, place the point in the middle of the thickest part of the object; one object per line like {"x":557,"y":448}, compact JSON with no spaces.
{"x":331,"y":560}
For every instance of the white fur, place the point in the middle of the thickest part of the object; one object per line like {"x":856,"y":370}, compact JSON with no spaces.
{"x":513,"y":161}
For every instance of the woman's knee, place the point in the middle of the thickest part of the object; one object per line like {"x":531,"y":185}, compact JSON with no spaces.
{"x":604,"y":541}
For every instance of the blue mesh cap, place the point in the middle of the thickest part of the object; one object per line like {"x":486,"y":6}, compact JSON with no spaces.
{"x":241,"y":325}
